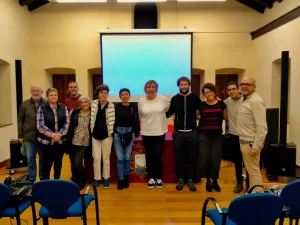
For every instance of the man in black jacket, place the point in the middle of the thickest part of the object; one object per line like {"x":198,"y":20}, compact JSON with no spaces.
{"x":184,"y":106}
{"x":27,"y":131}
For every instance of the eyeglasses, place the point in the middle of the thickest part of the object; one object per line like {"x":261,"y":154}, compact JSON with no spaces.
{"x":232,"y":89}
{"x":245,"y":84}
{"x":209,"y":92}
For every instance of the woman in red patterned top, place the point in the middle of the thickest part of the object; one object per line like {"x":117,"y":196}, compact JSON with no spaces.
{"x":212,"y":112}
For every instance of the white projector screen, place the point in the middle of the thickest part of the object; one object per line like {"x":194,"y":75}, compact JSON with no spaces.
{"x":130,"y":60}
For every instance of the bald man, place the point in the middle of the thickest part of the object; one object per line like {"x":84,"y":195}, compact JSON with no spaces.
{"x":251,"y":128}
{"x":27,"y":130}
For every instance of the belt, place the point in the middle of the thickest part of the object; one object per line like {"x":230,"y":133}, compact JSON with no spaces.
{"x":185,"y":130}
{"x":246,"y":142}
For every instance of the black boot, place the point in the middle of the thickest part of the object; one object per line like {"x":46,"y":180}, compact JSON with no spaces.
{"x":120,"y":184}
{"x":208,"y":185}
{"x":216,"y":186}
{"x":239,"y":187}
{"x":126,"y":181}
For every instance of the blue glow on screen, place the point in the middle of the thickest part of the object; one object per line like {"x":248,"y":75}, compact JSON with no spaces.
{"x":129,"y":61}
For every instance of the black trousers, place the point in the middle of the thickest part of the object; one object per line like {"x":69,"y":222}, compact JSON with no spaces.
{"x":77,"y":155}
{"x":209,"y":155}
{"x":154,"y":146}
{"x":185,"y":145}
{"x":238,"y":158}
{"x":52,"y":154}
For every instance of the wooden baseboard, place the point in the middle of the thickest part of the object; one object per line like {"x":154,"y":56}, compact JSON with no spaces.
{"x":4,"y":163}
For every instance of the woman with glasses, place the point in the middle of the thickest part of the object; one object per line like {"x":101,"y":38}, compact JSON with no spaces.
{"x":212,"y":112}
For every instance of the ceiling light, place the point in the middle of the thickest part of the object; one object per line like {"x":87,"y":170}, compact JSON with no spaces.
{"x":141,"y":1}
{"x":201,"y":0}
{"x":80,"y":1}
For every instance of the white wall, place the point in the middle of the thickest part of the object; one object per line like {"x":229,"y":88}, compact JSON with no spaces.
{"x":14,"y":44}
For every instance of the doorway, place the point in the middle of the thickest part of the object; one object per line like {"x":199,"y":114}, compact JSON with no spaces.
{"x":221,"y":82}
{"x":60,"y":82}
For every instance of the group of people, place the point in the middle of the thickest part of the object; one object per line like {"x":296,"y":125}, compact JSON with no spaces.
{"x":84,"y":129}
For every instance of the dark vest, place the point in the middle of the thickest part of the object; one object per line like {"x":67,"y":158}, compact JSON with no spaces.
{"x":49,"y":119}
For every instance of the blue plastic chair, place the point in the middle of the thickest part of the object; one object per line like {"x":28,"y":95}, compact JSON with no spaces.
{"x":249,"y":209}
{"x":290,"y":196}
{"x":60,"y":199}
{"x":15,"y":209}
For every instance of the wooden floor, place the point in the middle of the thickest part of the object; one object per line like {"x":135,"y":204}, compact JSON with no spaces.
{"x":139,"y":205}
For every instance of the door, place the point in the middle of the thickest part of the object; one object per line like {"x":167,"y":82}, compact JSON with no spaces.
{"x":195,"y":84}
{"x":60,"y":82}
{"x":221,"y":82}
{"x":97,"y":81}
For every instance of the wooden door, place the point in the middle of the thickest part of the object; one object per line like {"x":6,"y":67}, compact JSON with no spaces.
{"x":60,"y":82}
{"x":195,"y":84}
{"x":97,"y":81}
{"x":221,"y":82}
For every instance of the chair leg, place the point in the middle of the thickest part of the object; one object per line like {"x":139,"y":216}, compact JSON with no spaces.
{"x":291,"y":221}
{"x":18,"y":219}
{"x":297,"y":221}
{"x":45,"y":221}
{"x":97,"y":212}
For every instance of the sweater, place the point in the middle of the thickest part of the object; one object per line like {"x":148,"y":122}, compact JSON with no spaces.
{"x":251,"y":121}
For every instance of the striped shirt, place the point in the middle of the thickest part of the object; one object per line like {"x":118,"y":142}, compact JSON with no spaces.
{"x":211,"y":117}
{"x":42,"y":128}
{"x":110,"y":116}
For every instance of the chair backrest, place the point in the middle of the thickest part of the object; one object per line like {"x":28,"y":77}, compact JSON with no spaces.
{"x":290,"y":195}
{"x":5,"y":194}
{"x":255,"y":209}
{"x":56,"y":196}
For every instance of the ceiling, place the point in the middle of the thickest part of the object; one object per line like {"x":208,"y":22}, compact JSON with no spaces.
{"x":257,"y":5}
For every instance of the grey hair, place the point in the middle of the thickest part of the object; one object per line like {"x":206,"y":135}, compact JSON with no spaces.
{"x":83,"y":97}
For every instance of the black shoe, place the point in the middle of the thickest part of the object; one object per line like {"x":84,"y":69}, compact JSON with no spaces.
{"x":191,"y":185}
{"x":208,"y":185}
{"x":180,"y":184}
{"x":216,"y":186}
{"x":120,"y":184}
{"x":159,"y":183}
{"x":239,"y":187}
{"x":126,"y":181}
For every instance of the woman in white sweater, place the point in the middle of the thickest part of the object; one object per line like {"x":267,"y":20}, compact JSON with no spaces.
{"x":152,"y":112}
{"x":102,"y":128}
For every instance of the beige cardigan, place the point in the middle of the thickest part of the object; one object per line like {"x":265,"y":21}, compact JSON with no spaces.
{"x":110,"y":116}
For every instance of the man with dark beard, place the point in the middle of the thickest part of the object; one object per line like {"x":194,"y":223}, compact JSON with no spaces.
{"x":185,"y":105}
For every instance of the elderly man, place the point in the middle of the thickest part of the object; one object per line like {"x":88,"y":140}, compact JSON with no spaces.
{"x":27,"y":131}
{"x":251,"y":128}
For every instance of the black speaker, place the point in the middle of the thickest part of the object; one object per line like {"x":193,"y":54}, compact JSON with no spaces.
{"x":19,"y":89}
{"x":283,"y":160}
{"x":272,"y":115}
{"x":145,"y":16}
{"x":17,"y":160}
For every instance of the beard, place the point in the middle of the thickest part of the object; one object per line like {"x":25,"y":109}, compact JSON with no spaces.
{"x":184,"y":92}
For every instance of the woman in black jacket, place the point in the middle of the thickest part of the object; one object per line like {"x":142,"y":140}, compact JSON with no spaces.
{"x":79,"y":139}
{"x":127,"y":128}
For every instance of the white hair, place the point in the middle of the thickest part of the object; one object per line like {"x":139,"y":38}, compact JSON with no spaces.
{"x":83,"y":97}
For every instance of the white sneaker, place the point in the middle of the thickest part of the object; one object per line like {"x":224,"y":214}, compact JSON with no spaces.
{"x":159,"y":183}
{"x":151,"y":183}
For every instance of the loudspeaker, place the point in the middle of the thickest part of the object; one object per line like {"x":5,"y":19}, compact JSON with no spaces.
{"x":19,"y":89}
{"x":145,"y":16}
{"x":17,"y":160}
{"x":272,"y":136}
{"x":283,"y":160}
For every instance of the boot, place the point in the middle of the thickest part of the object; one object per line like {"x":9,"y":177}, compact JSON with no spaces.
{"x":120,"y":184}
{"x":239,"y":187}
{"x":126,"y":181}
{"x":208,"y":185}
{"x":216,"y":186}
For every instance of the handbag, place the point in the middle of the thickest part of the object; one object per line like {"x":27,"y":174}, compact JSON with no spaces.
{"x":125,"y":138}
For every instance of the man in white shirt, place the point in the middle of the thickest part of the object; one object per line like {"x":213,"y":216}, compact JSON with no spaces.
{"x":233,"y":102}
{"x":251,"y":128}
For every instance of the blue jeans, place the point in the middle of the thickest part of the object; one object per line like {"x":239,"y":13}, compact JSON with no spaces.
{"x":31,"y":149}
{"x":123,"y":152}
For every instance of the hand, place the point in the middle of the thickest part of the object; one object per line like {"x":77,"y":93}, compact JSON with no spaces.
{"x":254,"y":152}
{"x":56,"y":138}
{"x":21,"y":140}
